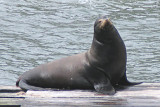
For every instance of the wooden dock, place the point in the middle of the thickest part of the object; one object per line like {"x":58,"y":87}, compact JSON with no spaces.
{"x":143,"y":95}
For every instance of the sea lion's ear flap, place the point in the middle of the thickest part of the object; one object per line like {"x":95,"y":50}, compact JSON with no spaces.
{"x":104,"y":87}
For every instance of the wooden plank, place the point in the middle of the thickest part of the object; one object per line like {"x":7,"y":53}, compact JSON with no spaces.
{"x":91,"y":102}
{"x":9,"y":89}
{"x":10,"y":101}
{"x":146,"y":94}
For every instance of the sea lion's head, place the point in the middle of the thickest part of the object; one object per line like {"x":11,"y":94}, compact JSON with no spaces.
{"x":103,"y":29}
{"x":103,"y":24}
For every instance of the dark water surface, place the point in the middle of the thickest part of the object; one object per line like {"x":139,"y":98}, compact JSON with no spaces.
{"x":34,"y":32}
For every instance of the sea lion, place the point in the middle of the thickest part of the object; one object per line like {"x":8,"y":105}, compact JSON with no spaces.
{"x":101,"y":68}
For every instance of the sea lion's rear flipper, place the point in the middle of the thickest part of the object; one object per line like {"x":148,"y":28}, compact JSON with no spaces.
{"x":104,"y":87}
{"x":124,"y":82}
{"x":25,"y":86}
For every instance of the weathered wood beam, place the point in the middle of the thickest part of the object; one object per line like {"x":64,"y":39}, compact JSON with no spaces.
{"x":146,"y":94}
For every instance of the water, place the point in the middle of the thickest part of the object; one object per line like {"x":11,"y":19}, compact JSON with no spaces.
{"x":34,"y":32}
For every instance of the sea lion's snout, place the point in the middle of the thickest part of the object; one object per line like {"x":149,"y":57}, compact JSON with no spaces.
{"x":104,"y":23}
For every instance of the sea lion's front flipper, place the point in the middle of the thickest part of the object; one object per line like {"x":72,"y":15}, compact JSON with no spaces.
{"x":124,"y":82}
{"x":104,"y":87}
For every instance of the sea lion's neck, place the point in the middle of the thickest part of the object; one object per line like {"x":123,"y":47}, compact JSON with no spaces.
{"x":106,"y":52}
{"x":98,"y":52}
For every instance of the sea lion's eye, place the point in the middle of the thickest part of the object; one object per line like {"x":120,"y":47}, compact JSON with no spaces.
{"x":99,"y":21}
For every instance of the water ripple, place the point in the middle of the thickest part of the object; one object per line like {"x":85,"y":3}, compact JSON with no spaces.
{"x":37,"y":31}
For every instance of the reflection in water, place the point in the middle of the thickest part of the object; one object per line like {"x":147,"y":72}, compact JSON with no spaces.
{"x":36,"y":32}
